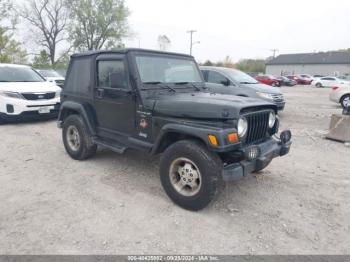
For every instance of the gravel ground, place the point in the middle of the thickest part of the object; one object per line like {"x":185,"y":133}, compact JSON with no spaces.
{"x":114,"y":204}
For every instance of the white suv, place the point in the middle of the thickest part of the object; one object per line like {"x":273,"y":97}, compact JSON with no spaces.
{"x":24,"y":94}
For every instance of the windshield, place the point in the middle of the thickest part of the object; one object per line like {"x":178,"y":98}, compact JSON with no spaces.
{"x":19,"y":74}
{"x":49,"y":73}
{"x":153,"y":69}
{"x":241,"y":77}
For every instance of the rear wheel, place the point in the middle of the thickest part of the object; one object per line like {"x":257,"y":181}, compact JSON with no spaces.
{"x":345,"y":101}
{"x":190,"y":174}
{"x":318,"y":85}
{"x":76,"y":139}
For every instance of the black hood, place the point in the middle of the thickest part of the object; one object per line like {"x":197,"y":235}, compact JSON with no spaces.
{"x":205,"y":105}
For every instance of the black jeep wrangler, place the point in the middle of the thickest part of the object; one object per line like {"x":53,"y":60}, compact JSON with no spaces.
{"x":158,"y":102}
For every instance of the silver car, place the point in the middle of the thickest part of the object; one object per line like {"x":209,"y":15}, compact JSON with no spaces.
{"x":235,"y":82}
{"x":341,"y":94}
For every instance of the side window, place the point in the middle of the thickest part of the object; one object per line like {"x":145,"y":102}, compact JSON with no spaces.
{"x":78,"y":79}
{"x":111,"y":74}
{"x":216,"y":78}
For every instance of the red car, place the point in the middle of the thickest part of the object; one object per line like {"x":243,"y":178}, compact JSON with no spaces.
{"x":300,"y":80}
{"x":268,"y":80}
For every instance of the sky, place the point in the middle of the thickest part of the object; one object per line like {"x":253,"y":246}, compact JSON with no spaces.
{"x":241,"y":28}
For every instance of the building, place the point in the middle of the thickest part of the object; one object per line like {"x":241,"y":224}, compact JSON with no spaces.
{"x":323,"y":63}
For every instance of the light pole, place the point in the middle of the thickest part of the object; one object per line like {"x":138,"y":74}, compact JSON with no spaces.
{"x":191,"y":32}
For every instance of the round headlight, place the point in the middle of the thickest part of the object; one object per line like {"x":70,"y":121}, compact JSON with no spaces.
{"x":272,"y":119}
{"x":242,"y":127}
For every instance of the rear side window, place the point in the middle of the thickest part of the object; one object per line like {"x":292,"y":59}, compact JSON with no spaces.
{"x":111,"y":74}
{"x":78,"y":80}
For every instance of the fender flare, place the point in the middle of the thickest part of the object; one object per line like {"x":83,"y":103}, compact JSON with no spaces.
{"x":82,"y":110}
{"x":197,"y":132}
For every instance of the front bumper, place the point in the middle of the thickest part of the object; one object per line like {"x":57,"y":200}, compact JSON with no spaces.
{"x":280,"y":105}
{"x":268,"y":150}
{"x":31,"y":115}
{"x":334,"y":96}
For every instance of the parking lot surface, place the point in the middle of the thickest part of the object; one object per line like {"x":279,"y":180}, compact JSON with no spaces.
{"x":114,"y":204}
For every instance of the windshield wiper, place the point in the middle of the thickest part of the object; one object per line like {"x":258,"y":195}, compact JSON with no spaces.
{"x":247,"y":83}
{"x":158,"y":83}
{"x":186,"y":83}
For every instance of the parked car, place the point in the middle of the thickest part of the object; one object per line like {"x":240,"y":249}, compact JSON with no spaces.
{"x":329,"y":81}
{"x":24,"y":94}
{"x":305,"y":76}
{"x":341,"y":94}
{"x":267,"y":80}
{"x":300,"y":80}
{"x":157,"y":102}
{"x":344,"y":77}
{"x":284,"y":81}
{"x":52,"y":76}
{"x":317,"y":76}
{"x":235,"y":82}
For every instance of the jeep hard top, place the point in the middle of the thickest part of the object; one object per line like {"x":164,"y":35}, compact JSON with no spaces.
{"x":158,"y":102}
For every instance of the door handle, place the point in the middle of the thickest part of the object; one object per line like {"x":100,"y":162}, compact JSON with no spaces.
{"x":100,"y":93}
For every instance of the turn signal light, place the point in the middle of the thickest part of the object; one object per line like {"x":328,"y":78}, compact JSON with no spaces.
{"x":213,"y":140}
{"x":232,"y":137}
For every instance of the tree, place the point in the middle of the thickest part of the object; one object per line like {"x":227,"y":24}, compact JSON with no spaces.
{"x":98,"y":24}
{"x":48,"y":19}
{"x":208,"y":63}
{"x":228,"y":62}
{"x":42,"y":60}
{"x":10,"y":50}
{"x":251,"y":65}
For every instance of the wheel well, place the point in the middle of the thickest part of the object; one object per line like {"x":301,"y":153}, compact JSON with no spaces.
{"x":343,"y":96}
{"x":67,"y":112}
{"x":173,"y":137}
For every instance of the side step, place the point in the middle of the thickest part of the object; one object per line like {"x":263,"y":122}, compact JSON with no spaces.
{"x":115,"y":147}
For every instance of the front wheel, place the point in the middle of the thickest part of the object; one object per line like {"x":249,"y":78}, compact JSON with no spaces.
{"x":190,"y":174}
{"x":345,"y":101}
{"x":76,"y":139}
{"x":318,"y":85}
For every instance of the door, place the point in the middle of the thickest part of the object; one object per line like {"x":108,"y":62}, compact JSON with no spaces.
{"x":114,"y":99}
{"x":327,"y":81}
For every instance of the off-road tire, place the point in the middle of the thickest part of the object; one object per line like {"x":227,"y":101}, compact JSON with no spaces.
{"x":86,"y":148}
{"x":343,"y":99}
{"x":209,"y":165}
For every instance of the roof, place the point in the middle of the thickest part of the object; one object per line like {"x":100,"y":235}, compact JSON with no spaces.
{"x":312,"y":58}
{"x":218,"y":68}
{"x":13,"y":65}
{"x":126,"y":50}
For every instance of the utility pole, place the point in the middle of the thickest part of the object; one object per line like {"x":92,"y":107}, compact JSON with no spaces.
{"x":191,"y":32}
{"x":274,"y":52}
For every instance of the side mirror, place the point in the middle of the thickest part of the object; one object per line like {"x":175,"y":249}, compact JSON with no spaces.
{"x":225,"y":82}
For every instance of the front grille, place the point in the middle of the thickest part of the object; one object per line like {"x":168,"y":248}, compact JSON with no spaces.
{"x":39,"y":96}
{"x":278,"y":98}
{"x":258,"y":123}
